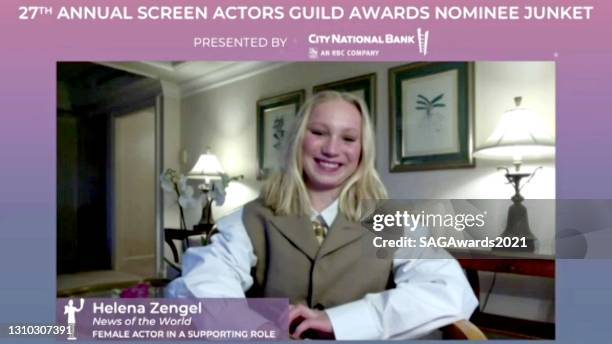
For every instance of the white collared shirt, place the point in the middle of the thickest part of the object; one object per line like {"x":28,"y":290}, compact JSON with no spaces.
{"x":429,"y":293}
{"x":328,"y":214}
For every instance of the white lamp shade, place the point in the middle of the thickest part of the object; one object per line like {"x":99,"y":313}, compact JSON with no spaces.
{"x":207,"y":167}
{"x":518,"y":135}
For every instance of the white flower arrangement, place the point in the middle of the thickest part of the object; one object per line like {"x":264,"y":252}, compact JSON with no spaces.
{"x":172,"y":181}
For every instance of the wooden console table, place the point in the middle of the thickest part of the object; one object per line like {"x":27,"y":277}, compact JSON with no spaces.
{"x":526,"y":264}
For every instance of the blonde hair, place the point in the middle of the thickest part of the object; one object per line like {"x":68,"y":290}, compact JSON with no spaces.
{"x":285,"y":191}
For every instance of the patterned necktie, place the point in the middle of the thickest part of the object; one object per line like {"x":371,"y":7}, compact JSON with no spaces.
{"x":319,"y":230}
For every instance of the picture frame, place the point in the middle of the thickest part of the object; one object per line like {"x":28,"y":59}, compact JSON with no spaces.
{"x":431,"y":116}
{"x":274,"y":118}
{"x":363,"y":86}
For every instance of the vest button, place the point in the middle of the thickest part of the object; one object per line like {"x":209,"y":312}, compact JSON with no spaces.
{"x":319,"y":307}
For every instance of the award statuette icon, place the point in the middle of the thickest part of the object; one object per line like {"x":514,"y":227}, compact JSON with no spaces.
{"x":71,"y":312}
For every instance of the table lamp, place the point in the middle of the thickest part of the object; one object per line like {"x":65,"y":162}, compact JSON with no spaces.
{"x":518,"y":136}
{"x":206,"y":169}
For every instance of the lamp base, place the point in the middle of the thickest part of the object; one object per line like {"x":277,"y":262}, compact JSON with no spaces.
{"x":517,"y":226}
{"x":206,"y":219}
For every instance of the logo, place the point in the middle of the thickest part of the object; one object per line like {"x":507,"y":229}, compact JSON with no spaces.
{"x":313,"y":53}
{"x":423,"y":37}
{"x":71,"y":310}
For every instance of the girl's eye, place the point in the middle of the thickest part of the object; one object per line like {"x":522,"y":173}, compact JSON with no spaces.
{"x":316,"y":132}
{"x":350,"y":139}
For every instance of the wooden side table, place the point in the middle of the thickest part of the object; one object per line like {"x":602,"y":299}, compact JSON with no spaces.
{"x":526,"y":264}
{"x":171,"y":234}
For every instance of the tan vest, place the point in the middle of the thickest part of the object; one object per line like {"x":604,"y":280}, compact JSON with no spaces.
{"x":290,"y":262}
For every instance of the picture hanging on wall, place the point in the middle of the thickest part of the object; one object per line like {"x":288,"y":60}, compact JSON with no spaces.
{"x":274,"y":118}
{"x":431,"y":115}
{"x":363,"y":86}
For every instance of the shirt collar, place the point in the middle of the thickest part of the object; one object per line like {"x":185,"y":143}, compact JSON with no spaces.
{"x":328,"y":214}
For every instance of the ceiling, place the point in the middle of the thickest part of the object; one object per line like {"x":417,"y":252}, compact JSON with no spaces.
{"x":195,"y":76}
{"x":86,"y":76}
{"x":86,"y":84}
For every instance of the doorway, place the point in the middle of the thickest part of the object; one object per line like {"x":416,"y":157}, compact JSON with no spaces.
{"x":134,"y":185}
{"x":109,"y":154}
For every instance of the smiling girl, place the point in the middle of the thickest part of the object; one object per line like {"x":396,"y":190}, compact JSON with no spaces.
{"x":302,"y":240}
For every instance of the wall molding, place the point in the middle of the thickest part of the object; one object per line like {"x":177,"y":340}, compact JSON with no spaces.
{"x":233,"y":72}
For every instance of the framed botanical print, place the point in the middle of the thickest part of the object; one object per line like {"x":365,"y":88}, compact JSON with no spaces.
{"x":275,"y":116}
{"x":363,"y":86}
{"x":431,"y":114}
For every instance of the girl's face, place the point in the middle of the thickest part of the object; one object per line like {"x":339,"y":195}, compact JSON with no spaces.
{"x":331,"y":149}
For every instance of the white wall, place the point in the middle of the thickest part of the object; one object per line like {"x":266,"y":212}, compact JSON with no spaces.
{"x":171,"y":153}
{"x":224,"y":118}
{"x":171,"y":147}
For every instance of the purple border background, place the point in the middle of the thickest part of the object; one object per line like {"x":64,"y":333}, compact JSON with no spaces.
{"x":30,"y":49}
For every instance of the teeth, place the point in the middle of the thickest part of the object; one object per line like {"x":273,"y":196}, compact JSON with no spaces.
{"x":329,"y":164}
